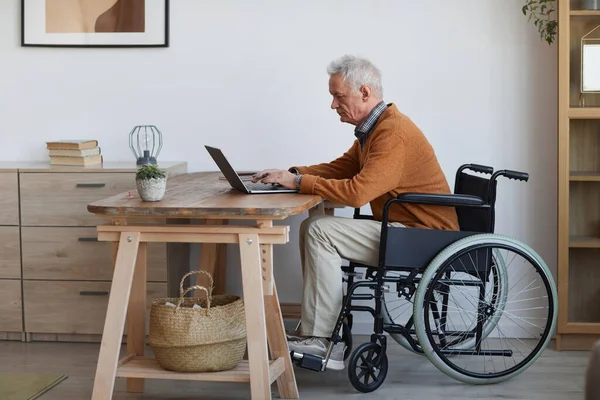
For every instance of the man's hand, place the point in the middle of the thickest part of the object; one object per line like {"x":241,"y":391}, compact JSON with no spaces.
{"x":284,"y":178}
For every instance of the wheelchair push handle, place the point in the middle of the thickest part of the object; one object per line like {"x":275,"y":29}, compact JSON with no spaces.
{"x":517,"y":175}
{"x":484,"y":169}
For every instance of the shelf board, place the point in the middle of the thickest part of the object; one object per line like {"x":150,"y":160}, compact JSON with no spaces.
{"x":143,"y":367}
{"x":584,"y":112}
{"x":582,"y":328}
{"x":590,"y":176}
{"x":585,"y":13}
{"x":585,"y":242}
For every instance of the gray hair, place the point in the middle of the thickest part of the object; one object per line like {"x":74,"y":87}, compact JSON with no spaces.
{"x":357,"y":72}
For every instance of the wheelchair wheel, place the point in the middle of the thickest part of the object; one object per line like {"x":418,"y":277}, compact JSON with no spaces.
{"x":499,"y":285}
{"x":367,"y":367}
{"x":398,"y":309}
{"x":485,"y":309}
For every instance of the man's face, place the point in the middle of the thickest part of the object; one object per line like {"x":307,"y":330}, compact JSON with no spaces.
{"x":349,"y":104}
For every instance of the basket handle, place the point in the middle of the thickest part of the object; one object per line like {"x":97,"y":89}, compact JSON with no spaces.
{"x":193,"y":288}
{"x":182,"y":293}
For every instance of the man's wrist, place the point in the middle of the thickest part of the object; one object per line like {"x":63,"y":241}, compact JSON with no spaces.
{"x":298,"y":180}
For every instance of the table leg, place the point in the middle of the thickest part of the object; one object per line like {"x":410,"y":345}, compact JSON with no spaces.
{"x":114,"y":324}
{"x":221,"y":269}
{"x":178,"y":260}
{"x":213,"y":261}
{"x":254,"y":306}
{"x":286,"y":383}
{"x":136,"y":316}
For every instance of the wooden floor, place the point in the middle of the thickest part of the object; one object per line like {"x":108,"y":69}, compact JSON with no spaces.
{"x":554,"y":376}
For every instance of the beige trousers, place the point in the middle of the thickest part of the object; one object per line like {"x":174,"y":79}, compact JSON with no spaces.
{"x":324,"y":241}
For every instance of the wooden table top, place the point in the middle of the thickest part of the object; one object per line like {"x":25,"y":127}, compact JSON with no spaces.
{"x":204,"y":195}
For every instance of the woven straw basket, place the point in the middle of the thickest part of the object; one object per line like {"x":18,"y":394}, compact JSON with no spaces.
{"x":210,"y":339}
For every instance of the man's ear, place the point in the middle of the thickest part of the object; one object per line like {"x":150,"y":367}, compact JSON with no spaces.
{"x":365,"y":92}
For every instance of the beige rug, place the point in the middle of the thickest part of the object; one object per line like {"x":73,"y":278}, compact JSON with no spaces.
{"x":27,"y":386}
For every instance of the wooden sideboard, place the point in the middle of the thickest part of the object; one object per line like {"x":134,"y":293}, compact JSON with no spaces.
{"x":55,"y":276}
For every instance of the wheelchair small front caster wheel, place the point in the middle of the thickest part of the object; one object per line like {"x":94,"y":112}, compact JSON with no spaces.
{"x":367,"y":367}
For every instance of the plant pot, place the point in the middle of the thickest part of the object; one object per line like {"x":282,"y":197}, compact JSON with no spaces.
{"x":151,"y":189}
{"x":589,"y":4}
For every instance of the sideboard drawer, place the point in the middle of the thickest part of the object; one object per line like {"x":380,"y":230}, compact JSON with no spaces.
{"x":73,"y":307}
{"x":10,"y":252}
{"x":75,"y":254}
{"x":61,"y":199}
{"x":11,"y":316}
{"x":9,"y":198}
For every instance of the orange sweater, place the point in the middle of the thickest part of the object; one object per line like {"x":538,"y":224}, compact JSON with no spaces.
{"x":397,"y":158}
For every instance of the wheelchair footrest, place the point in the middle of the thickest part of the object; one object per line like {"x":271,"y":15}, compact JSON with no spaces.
{"x":307,"y":361}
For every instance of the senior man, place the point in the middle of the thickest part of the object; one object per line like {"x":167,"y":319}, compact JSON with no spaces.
{"x":389,"y":156}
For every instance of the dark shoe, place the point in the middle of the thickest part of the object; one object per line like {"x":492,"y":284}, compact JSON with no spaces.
{"x":318,"y":347}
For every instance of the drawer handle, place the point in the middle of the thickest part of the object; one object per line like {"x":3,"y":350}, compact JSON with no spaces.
{"x":88,"y":239}
{"x":92,"y":293}
{"x":91,"y":185}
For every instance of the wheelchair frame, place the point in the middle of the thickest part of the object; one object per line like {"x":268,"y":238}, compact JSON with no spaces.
{"x":395,"y":258}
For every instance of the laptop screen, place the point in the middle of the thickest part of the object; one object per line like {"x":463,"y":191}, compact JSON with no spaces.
{"x":226,"y":168}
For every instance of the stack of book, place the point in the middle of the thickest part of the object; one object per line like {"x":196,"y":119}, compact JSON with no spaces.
{"x":74,"y":152}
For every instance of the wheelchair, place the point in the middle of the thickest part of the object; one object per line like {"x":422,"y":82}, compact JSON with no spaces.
{"x":480,"y":306}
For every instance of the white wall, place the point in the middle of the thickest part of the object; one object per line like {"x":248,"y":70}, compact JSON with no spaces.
{"x":250,"y":77}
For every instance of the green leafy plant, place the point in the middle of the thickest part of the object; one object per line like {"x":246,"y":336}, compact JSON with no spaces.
{"x":149,"y":171}
{"x":541,"y":13}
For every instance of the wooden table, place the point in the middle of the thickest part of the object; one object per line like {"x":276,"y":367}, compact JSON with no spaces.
{"x":197,"y":196}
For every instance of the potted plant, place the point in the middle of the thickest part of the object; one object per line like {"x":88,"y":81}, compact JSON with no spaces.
{"x":540,"y":12}
{"x":151,"y":182}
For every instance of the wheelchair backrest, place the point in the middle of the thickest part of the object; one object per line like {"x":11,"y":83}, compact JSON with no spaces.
{"x":476,"y":219}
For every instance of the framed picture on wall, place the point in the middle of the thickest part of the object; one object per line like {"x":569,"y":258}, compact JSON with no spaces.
{"x":95,"y":23}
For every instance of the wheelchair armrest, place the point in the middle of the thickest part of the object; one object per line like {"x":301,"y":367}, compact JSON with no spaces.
{"x":452,"y":200}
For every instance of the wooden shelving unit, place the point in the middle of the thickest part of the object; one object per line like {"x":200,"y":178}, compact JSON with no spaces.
{"x":585,"y":13}
{"x":578,"y":187}
{"x":584,"y":112}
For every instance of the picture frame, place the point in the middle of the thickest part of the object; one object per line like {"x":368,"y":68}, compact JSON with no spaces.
{"x":590,"y":77}
{"x":590,"y":61}
{"x":95,"y":23}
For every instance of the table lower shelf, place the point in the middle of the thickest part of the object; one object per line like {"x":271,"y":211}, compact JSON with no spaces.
{"x":148,"y":368}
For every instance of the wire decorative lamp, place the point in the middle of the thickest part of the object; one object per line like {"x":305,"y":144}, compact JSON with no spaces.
{"x":590,"y":63}
{"x":145,"y":141}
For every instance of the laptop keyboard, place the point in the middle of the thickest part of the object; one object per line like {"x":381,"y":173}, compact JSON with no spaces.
{"x":263,"y":186}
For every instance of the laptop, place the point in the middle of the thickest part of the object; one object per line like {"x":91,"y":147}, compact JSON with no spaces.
{"x":237,"y":183}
